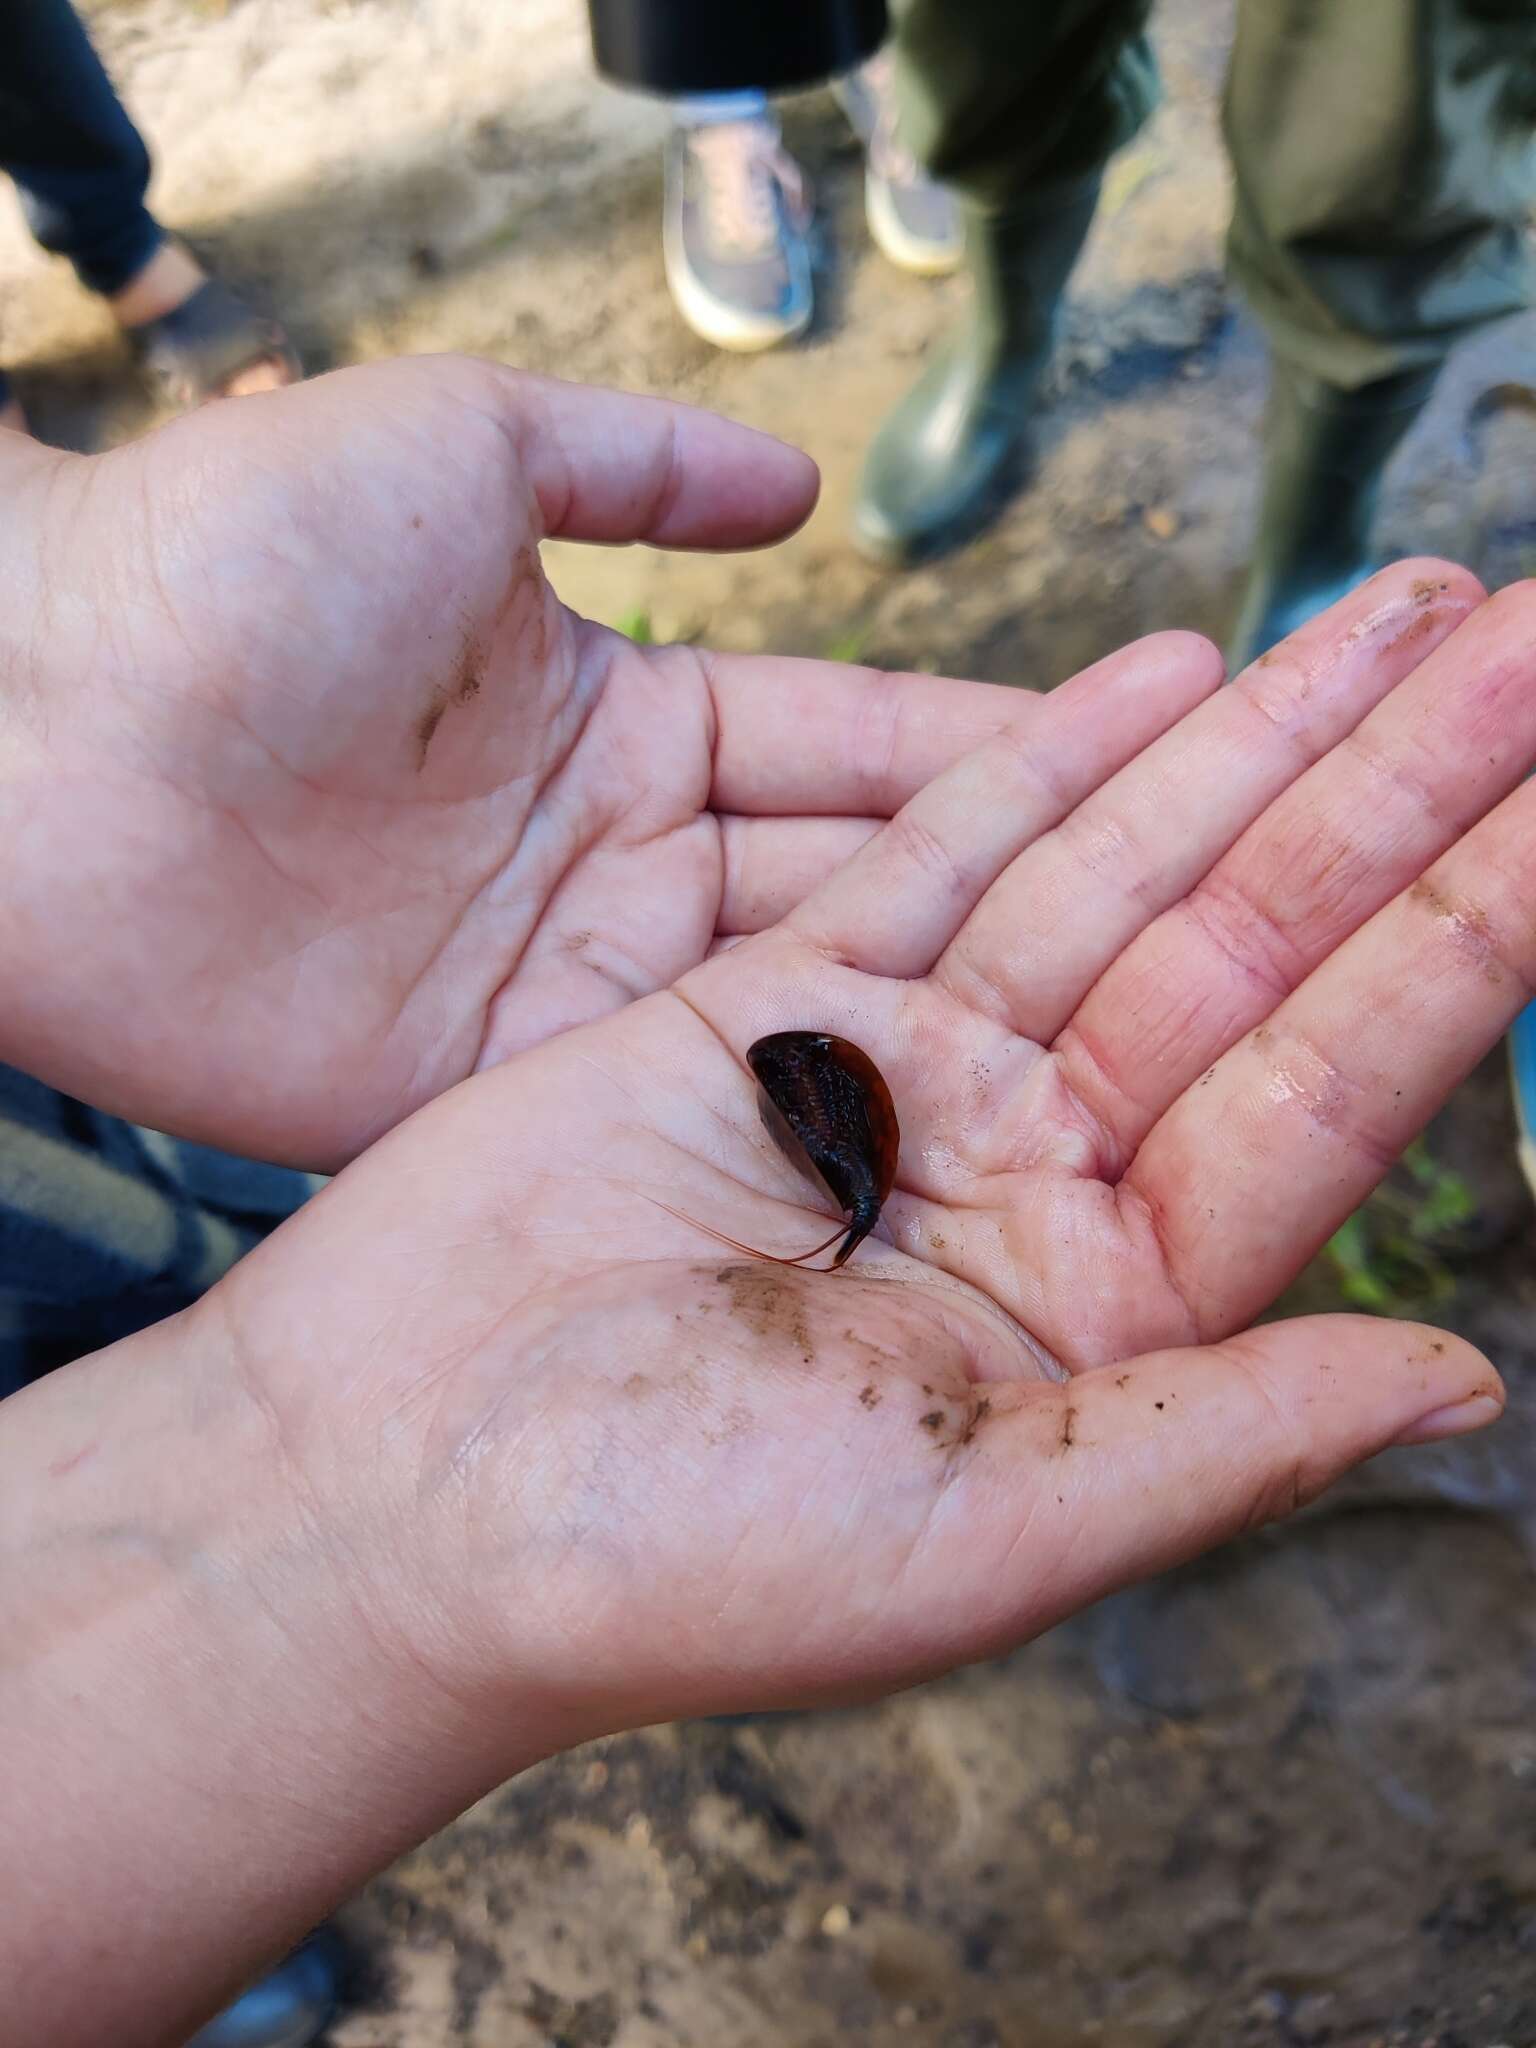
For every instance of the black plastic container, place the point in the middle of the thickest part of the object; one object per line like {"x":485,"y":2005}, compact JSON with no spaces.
{"x":682,"y":46}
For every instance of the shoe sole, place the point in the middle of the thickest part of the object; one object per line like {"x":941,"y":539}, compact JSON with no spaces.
{"x":715,"y":322}
{"x":917,"y":258}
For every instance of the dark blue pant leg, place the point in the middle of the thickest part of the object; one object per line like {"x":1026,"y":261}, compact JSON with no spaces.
{"x":79,"y":163}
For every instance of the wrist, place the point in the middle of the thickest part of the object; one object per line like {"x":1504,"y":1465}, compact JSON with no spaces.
{"x":152,"y":1500}
{"x":211,"y":1728}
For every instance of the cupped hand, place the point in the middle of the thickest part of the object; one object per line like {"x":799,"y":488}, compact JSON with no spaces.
{"x":314,"y":795}
{"x":1160,"y":989}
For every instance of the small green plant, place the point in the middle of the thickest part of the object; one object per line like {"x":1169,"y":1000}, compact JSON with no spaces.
{"x":848,"y":645}
{"x":1389,"y":1257}
{"x":635,"y":625}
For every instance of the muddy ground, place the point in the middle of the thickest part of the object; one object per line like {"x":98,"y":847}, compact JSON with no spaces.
{"x":1288,"y":1796}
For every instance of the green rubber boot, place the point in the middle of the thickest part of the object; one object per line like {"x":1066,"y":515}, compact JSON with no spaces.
{"x":940,"y":465}
{"x":1324,"y":453}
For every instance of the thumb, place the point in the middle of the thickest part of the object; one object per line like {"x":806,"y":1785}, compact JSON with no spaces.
{"x":1072,"y":1491}
{"x":610,"y":466}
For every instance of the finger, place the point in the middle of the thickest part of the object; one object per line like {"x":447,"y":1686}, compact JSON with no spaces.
{"x":1343,"y":840}
{"x":1068,"y":1492}
{"x":894,"y":907}
{"x":610,"y":466}
{"x":1082,"y":892}
{"x":796,"y":737}
{"x":1256,"y":1165}
{"x":772,"y":864}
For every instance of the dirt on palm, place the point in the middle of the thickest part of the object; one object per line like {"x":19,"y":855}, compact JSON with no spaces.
{"x":1286,"y":1796}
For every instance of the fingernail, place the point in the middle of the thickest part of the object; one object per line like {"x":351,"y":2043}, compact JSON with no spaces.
{"x":1461,"y":1416}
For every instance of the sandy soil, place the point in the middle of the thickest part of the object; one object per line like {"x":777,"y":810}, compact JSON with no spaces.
{"x":1288,"y":1796}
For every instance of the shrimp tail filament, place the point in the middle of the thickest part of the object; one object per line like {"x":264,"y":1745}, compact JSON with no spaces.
{"x":750,"y":1250}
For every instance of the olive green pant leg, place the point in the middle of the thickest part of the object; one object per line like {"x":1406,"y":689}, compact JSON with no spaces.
{"x":1004,"y":98}
{"x":1384,"y":158}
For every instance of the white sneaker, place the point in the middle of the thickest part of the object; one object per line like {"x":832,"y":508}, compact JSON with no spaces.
{"x":735,"y":233}
{"x":914,"y":221}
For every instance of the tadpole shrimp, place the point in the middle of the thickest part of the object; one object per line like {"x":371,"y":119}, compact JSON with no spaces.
{"x":826,"y":1105}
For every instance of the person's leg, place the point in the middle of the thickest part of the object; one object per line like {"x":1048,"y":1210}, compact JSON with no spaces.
{"x":106,"y":1228}
{"x":78,"y":162}
{"x":1018,"y":109}
{"x":735,"y":229}
{"x":1383,"y":163}
{"x":912,"y":218}
{"x":82,"y":170}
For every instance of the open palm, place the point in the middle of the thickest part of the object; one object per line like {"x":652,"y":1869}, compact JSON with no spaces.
{"x":1160,"y":993}
{"x":316,"y":796}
